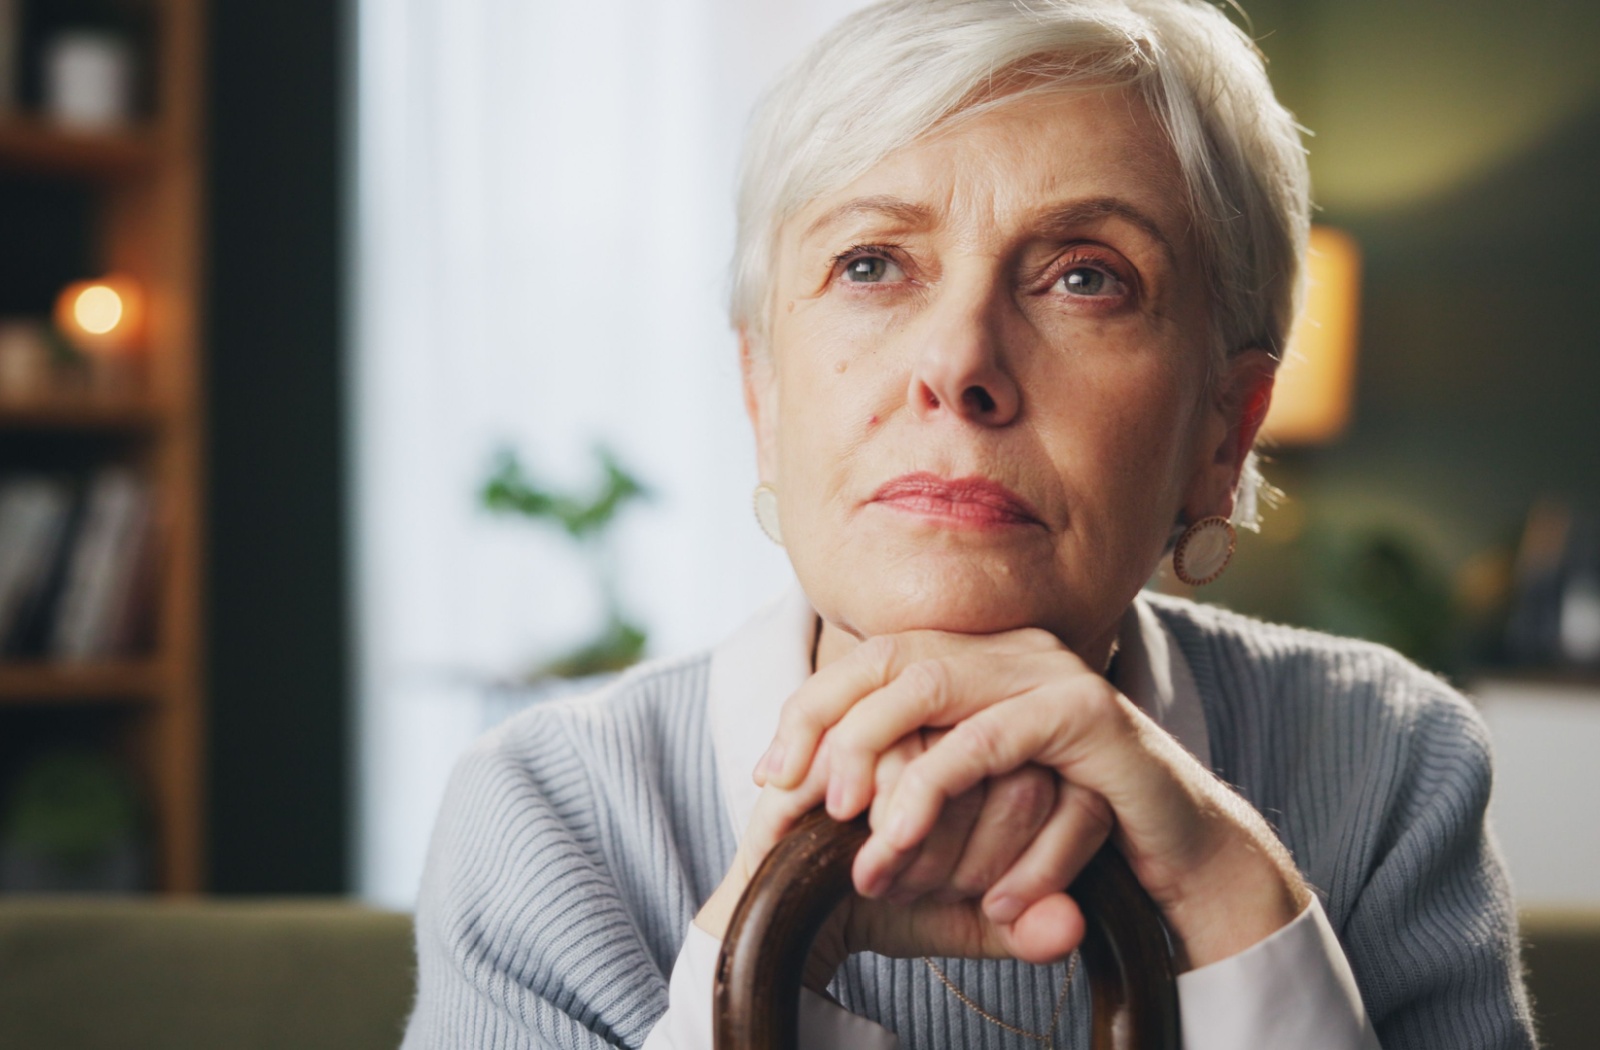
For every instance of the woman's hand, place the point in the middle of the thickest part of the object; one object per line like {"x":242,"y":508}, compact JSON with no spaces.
{"x":933,"y":904}
{"x":1008,"y":701}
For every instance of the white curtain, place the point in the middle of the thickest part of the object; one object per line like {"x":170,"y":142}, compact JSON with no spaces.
{"x":543,"y":202}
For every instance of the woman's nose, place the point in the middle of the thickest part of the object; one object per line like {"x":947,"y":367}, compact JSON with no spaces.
{"x":960,"y":368}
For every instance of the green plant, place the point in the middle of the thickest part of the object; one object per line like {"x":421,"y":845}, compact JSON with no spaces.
{"x":1380,"y":583}
{"x":70,"y":805}
{"x":511,"y":489}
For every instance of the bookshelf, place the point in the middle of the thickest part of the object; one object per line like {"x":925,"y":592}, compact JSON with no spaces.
{"x":110,"y":682}
{"x":62,"y":411}
{"x":144,"y":192}
{"x":30,"y":145}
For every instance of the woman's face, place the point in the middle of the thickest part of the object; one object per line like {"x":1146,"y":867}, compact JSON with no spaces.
{"x":984,"y":398}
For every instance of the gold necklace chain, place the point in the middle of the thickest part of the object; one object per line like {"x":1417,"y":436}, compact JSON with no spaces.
{"x":1048,"y":1037}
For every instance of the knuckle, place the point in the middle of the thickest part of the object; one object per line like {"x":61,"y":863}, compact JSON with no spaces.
{"x":1098,"y":699}
{"x":880,"y":653}
{"x":845,"y":749}
{"x":976,"y":874}
{"x":917,"y":784}
{"x":929,"y":681}
{"x":1094,"y":807}
{"x":1028,"y":793}
{"x":983,"y":739}
{"x":1031,"y":878}
{"x":797,"y":718}
{"x":793,"y":724}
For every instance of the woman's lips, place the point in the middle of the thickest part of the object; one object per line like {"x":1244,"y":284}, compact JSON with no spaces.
{"x":973,"y":502}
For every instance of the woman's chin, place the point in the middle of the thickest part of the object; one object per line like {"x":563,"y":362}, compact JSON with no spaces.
{"x":957,"y":596}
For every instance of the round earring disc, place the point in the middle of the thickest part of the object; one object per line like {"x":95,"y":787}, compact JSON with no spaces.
{"x":1203,"y":553}
{"x":766,"y":503}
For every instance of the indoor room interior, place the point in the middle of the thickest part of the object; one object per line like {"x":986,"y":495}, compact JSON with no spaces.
{"x":365,"y":378}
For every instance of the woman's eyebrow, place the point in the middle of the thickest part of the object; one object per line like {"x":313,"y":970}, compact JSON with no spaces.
{"x":1071,"y":216}
{"x":897,"y":208}
{"x":1054,"y":220}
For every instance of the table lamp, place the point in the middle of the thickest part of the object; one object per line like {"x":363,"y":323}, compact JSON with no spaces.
{"x":1311,"y":399}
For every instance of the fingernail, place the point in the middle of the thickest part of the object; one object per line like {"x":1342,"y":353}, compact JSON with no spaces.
{"x":898,"y":830}
{"x":1003,"y":909}
{"x":773,"y":763}
{"x":835,"y":797}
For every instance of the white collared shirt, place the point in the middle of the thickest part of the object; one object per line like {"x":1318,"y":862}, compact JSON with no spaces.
{"x":1293,"y":989}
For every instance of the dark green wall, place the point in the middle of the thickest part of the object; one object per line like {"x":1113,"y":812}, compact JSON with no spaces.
{"x":1460,"y":143}
{"x":278,"y":609}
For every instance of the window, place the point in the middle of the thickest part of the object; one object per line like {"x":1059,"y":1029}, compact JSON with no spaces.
{"x":544,"y":216}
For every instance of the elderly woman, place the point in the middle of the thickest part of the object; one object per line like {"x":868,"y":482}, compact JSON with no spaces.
{"x":1011,"y":285}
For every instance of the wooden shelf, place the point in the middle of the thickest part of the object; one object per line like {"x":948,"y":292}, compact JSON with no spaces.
{"x":143,"y":191}
{"x":29,"y":145}
{"x":81,"y":411}
{"x":88,"y":683}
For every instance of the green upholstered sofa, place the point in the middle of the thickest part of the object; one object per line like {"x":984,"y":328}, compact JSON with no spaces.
{"x":110,"y":974}
{"x":86,"y":974}
{"x":1562,"y":954}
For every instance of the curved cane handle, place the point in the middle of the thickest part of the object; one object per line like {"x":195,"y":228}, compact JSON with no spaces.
{"x":807,"y":874}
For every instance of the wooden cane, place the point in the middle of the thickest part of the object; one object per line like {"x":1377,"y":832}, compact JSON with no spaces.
{"x":1125,"y":948}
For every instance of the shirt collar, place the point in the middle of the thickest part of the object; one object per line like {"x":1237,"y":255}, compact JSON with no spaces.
{"x":756,"y":669}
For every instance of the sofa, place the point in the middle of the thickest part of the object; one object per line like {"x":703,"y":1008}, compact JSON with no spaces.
{"x":142,"y":974}
{"x":132,"y":974}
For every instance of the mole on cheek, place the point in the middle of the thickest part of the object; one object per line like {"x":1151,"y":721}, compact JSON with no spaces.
{"x":840,"y":366}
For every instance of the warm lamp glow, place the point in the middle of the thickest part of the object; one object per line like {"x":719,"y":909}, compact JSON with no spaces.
{"x":97,"y":309}
{"x":1311,"y":400}
{"x":101,"y":316}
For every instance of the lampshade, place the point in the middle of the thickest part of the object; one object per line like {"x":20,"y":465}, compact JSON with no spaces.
{"x":1311,"y":400}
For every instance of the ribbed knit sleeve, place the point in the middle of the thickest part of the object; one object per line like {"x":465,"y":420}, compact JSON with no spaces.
{"x":572,"y":849}
{"x":1376,"y":775}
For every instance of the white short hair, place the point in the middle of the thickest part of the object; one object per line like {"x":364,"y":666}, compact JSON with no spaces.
{"x":890,"y":73}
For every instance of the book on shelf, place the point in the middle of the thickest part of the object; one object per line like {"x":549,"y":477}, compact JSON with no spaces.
{"x":10,"y":55}
{"x":35,"y":515}
{"x":76,"y":566}
{"x":28,"y":631}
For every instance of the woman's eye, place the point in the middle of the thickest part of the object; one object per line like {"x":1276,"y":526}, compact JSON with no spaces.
{"x":872,"y":269}
{"x":1088,"y":281}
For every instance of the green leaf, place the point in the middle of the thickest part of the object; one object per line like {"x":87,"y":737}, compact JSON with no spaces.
{"x":510,"y":489}
{"x":618,"y":646}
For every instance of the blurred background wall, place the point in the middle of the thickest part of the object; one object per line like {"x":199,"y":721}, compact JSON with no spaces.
{"x":1458,"y":143}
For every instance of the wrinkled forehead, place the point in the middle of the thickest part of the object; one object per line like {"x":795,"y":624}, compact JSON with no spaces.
{"x":1015,"y":166}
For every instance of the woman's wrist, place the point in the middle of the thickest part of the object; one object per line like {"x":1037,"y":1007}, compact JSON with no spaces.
{"x":1243,"y":895}
{"x":718,"y":909}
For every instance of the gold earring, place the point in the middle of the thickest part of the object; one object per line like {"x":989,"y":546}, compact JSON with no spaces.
{"x":766,"y":504}
{"x":1204,"y":550}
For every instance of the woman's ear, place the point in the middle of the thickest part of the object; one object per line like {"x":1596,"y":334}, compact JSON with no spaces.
{"x":1240,"y":407}
{"x":760,"y":404}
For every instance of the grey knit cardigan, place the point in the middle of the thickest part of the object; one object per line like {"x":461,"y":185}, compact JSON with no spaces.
{"x":577,"y":841}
